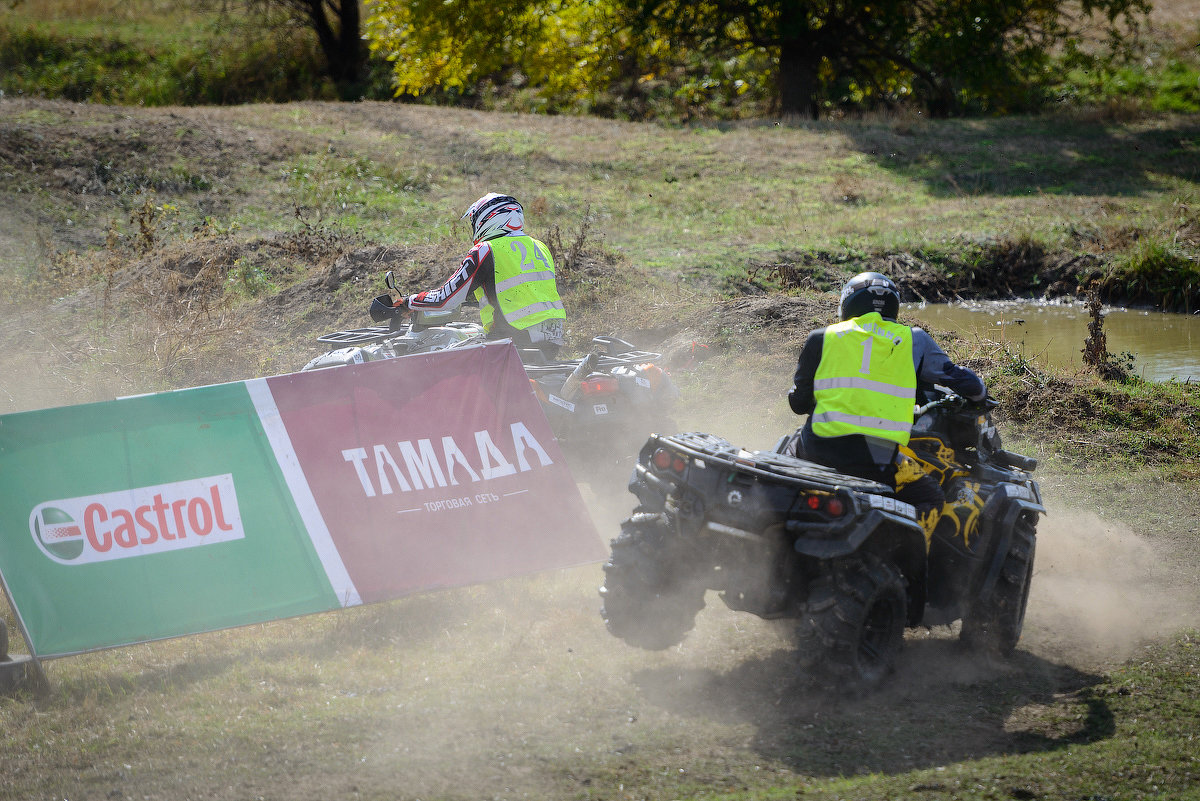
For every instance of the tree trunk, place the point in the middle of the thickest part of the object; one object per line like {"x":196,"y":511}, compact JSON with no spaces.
{"x":799,"y":80}
{"x":342,"y":46}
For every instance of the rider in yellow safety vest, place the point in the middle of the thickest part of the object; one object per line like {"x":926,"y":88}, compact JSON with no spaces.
{"x":509,"y":273}
{"x":857,"y":381}
{"x":866,"y":380}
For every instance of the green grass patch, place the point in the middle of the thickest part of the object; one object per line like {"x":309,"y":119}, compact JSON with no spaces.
{"x":161,"y":52}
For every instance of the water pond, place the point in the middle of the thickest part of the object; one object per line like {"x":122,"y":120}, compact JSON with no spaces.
{"x":1164,"y":346}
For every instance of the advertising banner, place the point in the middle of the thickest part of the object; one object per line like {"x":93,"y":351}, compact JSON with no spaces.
{"x":188,"y":511}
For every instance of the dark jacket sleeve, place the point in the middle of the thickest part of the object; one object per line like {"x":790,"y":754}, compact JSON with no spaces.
{"x":935,"y":367}
{"x":800,"y":398}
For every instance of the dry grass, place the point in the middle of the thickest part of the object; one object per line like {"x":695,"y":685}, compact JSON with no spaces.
{"x":1181,"y":15}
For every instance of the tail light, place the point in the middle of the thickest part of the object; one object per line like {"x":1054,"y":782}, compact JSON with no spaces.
{"x":599,"y":385}
{"x":652,"y":373}
{"x":831,"y":505}
{"x":663,"y":459}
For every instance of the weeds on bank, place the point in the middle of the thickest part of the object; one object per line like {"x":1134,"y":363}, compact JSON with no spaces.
{"x":1161,"y":272}
{"x":566,"y":252}
{"x":1095,"y":347}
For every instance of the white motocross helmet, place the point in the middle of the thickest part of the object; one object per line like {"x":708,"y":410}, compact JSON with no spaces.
{"x":495,"y":215}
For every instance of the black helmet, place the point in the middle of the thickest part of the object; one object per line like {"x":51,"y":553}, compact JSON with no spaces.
{"x":869,"y":292}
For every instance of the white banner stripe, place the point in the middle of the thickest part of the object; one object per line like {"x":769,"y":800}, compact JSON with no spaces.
{"x":289,"y":464}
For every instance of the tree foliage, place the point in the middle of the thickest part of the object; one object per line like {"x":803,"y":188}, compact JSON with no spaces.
{"x":946,"y":56}
{"x":568,"y":48}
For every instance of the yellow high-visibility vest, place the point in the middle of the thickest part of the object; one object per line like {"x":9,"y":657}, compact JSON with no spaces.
{"x":525,"y":287}
{"x":866,"y":382}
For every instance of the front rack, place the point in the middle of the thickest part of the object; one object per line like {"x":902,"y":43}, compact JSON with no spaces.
{"x":362,"y":336}
{"x":357,"y":337}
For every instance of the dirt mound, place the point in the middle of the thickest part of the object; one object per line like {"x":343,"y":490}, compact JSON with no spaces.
{"x":114,"y":152}
{"x":759,"y":323}
{"x":988,"y":269}
{"x":95,"y":159}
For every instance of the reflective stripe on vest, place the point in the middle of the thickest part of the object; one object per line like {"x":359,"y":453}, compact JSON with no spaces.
{"x":866,"y":382}
{"x":525,"y":287}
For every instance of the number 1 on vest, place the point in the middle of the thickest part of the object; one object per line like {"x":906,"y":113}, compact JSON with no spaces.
{"x":866,"y":360}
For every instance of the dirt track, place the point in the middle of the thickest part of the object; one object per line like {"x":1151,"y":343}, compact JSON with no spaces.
{"x":516,"y":689}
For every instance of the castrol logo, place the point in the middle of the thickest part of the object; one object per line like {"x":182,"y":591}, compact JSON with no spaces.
{"x":138,"y":522}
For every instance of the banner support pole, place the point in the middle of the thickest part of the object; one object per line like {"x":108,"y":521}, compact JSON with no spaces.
{"x":23,"y":668}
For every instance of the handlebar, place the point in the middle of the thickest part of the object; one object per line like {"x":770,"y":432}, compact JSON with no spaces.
{"x":956,"y":402}
{"x":947,"y":400}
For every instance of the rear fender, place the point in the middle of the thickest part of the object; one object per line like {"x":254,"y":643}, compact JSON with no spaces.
{"x":894,"y":537}
{"x":907,"y":533}
{"x":338,"y":358}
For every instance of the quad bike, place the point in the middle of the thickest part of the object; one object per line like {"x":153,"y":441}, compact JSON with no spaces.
{"x":782,"y":537}
{"x":604,"y":403}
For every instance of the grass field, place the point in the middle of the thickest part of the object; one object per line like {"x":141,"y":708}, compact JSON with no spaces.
{"x":152,"y":248}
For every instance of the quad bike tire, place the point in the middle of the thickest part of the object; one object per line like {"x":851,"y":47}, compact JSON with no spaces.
{"x":647,"y":603}
{"x":994,"y":624}
{"x":852,"y":627}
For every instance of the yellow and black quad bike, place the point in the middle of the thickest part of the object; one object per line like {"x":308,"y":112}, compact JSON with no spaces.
{"x":782,"y":537}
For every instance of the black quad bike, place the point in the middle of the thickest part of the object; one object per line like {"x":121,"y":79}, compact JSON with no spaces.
{"x":781,"y":537}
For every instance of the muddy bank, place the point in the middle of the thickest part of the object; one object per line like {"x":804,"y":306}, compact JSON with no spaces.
{"x":998,"y":269}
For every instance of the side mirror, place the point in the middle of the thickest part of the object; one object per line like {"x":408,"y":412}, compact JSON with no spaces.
{"x":390,"y":280}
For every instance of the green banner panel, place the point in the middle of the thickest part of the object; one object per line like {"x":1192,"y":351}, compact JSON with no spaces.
{"x":149,"y":517}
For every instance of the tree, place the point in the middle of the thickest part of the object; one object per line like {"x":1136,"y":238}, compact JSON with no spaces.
{"x":946,"y":53}
{"x":948,"y":56}
{"x":338,"y":27}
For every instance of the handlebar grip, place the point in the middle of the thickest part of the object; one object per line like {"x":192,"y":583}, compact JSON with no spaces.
{"x":1026,"y":463}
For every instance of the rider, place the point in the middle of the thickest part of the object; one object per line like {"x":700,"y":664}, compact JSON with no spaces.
{"x":510,"y":274}
{"x":857,"y":382}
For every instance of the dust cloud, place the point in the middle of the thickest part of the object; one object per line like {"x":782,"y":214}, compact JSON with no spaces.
{"x":1100,"y":590}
